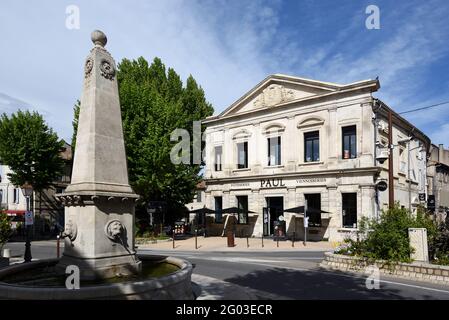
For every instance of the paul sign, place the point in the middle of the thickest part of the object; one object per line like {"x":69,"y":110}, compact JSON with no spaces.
{"x":269,"y":183}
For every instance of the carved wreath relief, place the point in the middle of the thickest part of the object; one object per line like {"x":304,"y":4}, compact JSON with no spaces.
{"x":88,"y":67}
{"x":114,"y":230}
{"x":274,"y":94}
{"x":107,"y":69}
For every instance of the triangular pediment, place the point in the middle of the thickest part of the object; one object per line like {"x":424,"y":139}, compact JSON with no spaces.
{"x":278,"y":90}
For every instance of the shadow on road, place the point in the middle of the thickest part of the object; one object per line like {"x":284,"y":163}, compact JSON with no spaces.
{"x":318,"y":285}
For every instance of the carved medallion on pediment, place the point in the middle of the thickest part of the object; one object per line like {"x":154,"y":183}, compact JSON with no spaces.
{"x":273,"y":95}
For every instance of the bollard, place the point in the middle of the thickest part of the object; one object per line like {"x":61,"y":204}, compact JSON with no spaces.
{"x":262,"y":241}
{"x":58,"y":246}
{"x":196,"y":239}
{"x":247,"y":242}
{"x":173,"y":238}
{"x":293,"y":239}
{"x":277,"y":242}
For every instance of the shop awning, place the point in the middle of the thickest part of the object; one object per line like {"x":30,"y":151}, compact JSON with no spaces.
{"x":15,"y":212}
{"x":300,"y":212}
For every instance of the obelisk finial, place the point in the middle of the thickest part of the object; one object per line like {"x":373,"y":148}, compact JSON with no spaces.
{"x":98,"y":38}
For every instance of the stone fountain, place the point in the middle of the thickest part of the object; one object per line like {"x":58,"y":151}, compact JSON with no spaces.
{"x":99,"y":211}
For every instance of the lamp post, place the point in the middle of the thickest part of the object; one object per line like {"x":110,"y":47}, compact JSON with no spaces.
{"x":27,"y":191}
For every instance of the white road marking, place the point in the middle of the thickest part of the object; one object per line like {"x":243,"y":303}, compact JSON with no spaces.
{"x":360,"y":277}
{"x":266,"y":263}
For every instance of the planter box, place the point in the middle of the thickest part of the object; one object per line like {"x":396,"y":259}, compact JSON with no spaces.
{"x":4,"y":262}
{"x":418,"y":271}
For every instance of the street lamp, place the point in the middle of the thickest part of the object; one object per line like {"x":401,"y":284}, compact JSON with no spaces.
{"x":27,"y":190}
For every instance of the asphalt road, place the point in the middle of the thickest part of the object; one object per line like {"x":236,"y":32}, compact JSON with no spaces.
{"x":284,"y":275}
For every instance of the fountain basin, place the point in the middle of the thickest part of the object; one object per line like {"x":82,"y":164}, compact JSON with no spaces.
{"x":162,"y":278}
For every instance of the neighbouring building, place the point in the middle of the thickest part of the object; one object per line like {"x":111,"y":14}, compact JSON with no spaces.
{"x":199,"y":201}
{"x":47,"y":210}
{"x":292,"y":139}
{"x":438,"y":181}
{"x":12,"y":200}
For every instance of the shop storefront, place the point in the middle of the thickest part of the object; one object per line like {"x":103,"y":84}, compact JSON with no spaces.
{"x":293,"y":142}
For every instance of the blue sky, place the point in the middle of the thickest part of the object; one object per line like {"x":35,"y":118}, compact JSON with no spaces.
{"x":229,"y":46}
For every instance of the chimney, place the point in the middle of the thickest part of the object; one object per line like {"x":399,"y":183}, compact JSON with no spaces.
{"x":441,"y":153}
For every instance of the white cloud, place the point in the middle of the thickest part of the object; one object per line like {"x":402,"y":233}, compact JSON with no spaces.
{"x":228,"y":46}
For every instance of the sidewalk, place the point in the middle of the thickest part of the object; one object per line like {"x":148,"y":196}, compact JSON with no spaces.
{"x":220,"y":244}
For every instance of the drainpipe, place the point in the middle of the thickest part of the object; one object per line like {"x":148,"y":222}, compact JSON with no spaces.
{"x":390,"y":161}
{"x":376,"y":107}
{"x":408,"y":176}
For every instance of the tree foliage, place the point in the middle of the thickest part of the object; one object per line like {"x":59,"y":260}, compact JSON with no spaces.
{"x":76,"y":114}
{"x":31,"y":149}
{"x":5,"y":229}
{"x":387,"y":239}
{"x":154,"y":103}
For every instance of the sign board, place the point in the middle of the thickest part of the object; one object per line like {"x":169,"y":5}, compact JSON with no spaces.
{"x":29,"y":221}
{"x":431,"y":202}
{"x":382,"y":186}
{"x":422,"y":197}
{"x":306,"y":222}
{"x":418,"y":241}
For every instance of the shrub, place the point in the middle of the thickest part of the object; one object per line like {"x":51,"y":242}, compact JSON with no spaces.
{"x":440,"y":246}
{"x":5,"y":229}
{"x":387,"y":239}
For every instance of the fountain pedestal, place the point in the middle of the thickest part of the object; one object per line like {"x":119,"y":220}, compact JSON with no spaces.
{"x":99,"y":213}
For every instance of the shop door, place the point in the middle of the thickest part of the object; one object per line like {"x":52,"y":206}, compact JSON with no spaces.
{"x":275,"y":208}
{"x":266,"y":222}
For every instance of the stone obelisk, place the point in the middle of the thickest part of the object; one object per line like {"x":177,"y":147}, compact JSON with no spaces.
{"x":99,"y":202}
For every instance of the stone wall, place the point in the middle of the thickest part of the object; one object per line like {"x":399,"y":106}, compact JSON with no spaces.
{"x":414,"y":271}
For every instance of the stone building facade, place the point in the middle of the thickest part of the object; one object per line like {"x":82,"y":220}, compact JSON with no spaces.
{"x":47,"y":210}
{"x":292,"y":139}
{"x":438,"y":180}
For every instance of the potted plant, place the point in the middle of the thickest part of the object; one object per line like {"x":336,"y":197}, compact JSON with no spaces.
{"x":5,"y":233}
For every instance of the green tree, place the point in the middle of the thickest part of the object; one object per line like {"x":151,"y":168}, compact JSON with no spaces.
{"x":76,"y":114}
{"x":154,"y":102}
{"x":5,"y":229}
{"x":31,"y":149}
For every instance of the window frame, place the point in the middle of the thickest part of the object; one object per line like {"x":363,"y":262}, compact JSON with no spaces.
{"x":218,"y":166}
{"x":311,"y":222}
{"x":245,"y":150}
{"x":354,"y":209}
{"x":352,"y":153}
{"x":312,"y":136}
{"x":218,"y":212}
{"x":278,"y":156}
{"x":244,"y":212}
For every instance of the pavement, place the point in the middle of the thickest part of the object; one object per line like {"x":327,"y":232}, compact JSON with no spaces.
{"x":219,"y":244}
{"x":204,"y":287}
{"x":268,"y":273}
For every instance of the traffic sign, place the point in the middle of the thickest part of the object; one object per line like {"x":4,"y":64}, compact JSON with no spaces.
{"x":29,"y":219}
{"x":306,"y":222}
